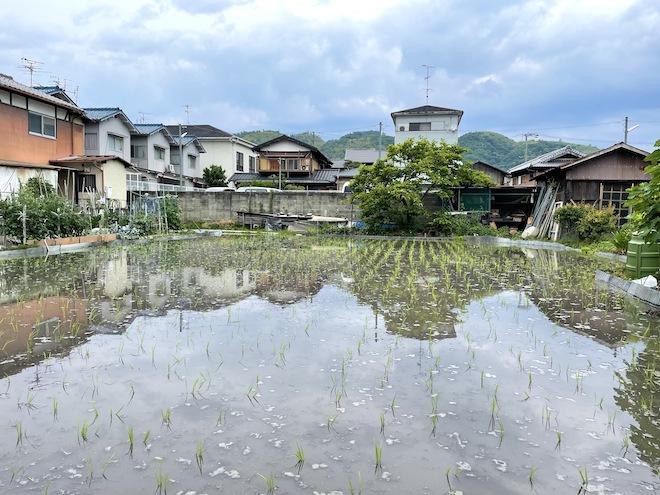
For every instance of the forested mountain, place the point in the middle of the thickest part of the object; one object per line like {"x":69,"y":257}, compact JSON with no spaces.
{"x":490,"y":147}
{"x":499,"y":150}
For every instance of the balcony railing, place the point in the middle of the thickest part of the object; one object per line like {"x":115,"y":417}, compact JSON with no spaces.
{"x":149,"y":186}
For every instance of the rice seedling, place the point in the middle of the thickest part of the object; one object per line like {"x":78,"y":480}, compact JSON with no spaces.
{"x":500,"y":433}
{"x":532,"y":476}
{"x":83,"y":432}
{"x":625,"y":445}
{"x":166,"y":417}
{"x":393,"y":406}
{"x":199,"y":456}
{"x":448,"y":478}
{"x":558,"y":444}
{"x":378,"y":454}
{"x":20,"y":433}
{"x":584,"y":480}
{"x":330,"y":423}
{"x":162,"y":481}
{"x":55,"y":408}
{"x":270,"y":482}
{"x":382,"y":423}
{"x":131,"y":440}
{"x":300,"y":457}
{"x":146,"y":437}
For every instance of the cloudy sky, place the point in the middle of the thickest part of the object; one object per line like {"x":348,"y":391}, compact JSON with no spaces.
{"x":568,"y":69}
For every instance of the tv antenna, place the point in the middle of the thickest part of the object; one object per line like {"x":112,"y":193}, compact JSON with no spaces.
{"x":141,"y":117}
{"x":31,"y":66}
{"x":187,"y":107}
{"x":427,"y":78}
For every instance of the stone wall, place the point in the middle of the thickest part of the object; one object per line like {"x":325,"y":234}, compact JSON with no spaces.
{"x":222,"y":206}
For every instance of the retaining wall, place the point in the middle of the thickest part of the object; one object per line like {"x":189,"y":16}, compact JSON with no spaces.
{"x":222,"y":206}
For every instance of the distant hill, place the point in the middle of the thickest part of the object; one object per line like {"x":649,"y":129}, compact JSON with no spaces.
{"x":490,"y":147}
{"x":499,"y":150}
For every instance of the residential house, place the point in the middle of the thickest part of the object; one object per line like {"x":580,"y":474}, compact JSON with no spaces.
{"x":108,"y":132}
{"x":290,"y":161}
{"x":36,"y":128}
{"x":231,"y":152}
{"x":150,"y":148}
{"x":523,"y":174}
{"x":100,"y":179}
{"x":192,"y":168}
{"x":497,"y":174}
{"x":600,"y":178}
{"x":57,"y":92}
{"x":428,"y":121}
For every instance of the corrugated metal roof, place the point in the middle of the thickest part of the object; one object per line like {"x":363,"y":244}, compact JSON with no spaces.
{"x":364,"y":155}
{"x":547,"y":157}
{"x":8,"y":83}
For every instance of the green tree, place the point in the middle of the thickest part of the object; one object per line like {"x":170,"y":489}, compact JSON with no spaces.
{"x":392,"y":190}
{"x":644,"y":199}
{"x":214,"y":176}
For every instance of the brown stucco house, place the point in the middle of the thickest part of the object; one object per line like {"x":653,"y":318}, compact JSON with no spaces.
{"x":35,"y":128}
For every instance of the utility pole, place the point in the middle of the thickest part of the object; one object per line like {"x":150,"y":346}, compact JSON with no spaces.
{"x":180,"y":156}
{"x":187,"y":107}
{"x":526,"y":136}
{"x":380,"y":139}
{"x":428,"y":77}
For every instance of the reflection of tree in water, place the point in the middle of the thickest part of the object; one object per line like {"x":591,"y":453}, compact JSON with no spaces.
{"x":638,"y":393}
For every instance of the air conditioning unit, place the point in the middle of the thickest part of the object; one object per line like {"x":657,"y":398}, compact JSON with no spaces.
{"x":305,"y":168}
{"x":170,"y":168}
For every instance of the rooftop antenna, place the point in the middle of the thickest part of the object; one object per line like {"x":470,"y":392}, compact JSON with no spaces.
{"x":627,"y":130}
{"x":187,"y":107}
{"x":141,"y":117}
{"x":528,"y":135}
{"x":428,"y":77}
{"x":31,"y":66}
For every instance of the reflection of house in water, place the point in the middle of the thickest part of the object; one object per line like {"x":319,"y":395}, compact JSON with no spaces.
{"x":37,"y":327}
{"x":287,"y":290}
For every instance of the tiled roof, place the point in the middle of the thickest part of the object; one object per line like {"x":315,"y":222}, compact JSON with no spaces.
{"x":186,"y":140}
{"x":496,"y":167}
{"x":199,"y":130}
{"x":348,"y":172}
{"x":324,"y":176}
{"x":101,"y":113}
{"x":8,"y":83}
{"x":547,"y":157}
{"x":84,"y":159}
{"x":428,"y":110}
{"x":324,"y":160}
{"x":364,"y":156}
{"x":49,"y":89}
{"x":148,"y":129}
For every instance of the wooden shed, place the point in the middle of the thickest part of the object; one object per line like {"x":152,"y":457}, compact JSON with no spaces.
{"x":496,"y":173}
{"x":601,"y":178}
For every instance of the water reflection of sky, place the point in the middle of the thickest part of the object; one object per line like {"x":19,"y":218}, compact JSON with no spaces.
{"x":472,"y":319}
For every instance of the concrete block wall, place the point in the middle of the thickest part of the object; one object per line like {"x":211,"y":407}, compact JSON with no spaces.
{"x":222,"y":206}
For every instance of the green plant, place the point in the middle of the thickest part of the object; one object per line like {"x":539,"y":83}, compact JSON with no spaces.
{"x":644,"y":199}
{"x":622,"y":237}
{"x":596,"y":224}
{"x":171,"y":211}
{"x":214,"y":176}
{"x":460,"y":225}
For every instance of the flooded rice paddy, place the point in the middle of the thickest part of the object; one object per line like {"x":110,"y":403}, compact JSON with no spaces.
{"x":319,"y":366}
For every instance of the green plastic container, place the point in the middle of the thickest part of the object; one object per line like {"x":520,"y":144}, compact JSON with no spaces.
{"x":643,"y":258}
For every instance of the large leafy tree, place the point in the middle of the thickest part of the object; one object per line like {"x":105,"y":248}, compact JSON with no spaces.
{"x":644,"y":199}
{"x":392,"y":190}
{"x":214,"y":176}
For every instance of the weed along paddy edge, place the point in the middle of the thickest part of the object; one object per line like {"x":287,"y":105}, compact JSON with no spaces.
{"x":275,"y":364}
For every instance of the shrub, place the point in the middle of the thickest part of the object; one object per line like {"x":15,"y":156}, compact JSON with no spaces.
{"x":214,"y":176}
{"x":172,"y":212}
{"x":460,"y":225}
{"x":644,"y":199}
{"x":585,"y":222}
{"x":622,"y":237}
{"x":596,"y":224}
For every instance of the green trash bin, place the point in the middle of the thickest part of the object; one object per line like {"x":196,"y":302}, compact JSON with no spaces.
{"x":642,"y":258}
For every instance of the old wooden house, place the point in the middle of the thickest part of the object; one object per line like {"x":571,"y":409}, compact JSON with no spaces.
{"x":496,"y":173}
{"x":601,"y":178}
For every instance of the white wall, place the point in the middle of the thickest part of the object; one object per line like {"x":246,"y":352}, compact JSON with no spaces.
{"x":285,"y":146}
{"x":189,"y":149}
{"x":223,"y":153}
{"x":443,"y":127}
{"x":11,"y":178}
{"x":118,"y":128}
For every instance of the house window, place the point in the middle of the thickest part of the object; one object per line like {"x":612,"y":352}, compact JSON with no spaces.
{"x":41,"y":125}
{"x":419,"y":126}
{"x":159,"y":153}
{"x":192,"y":161}
{"x":138,"y":151}
{"x":87,"y":183}
{"x":292,"y":164}
{"x":239,"y":161}
{"x":115,"y":143}
{"x":253,"y":164}
{"x":91,"y":141}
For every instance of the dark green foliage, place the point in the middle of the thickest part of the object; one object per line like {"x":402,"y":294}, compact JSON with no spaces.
{"x":274,"y":183}
{"x":585,"y":221}
{"x":460,"y":225}
{"x":499,"y":150}
{"x":644,"y":199}
{"x":258,"y":137}
{"x":391,"y":192}
{"x":172,"y":212}
{"x":48,"y":214}
{"x":622,"y":237}
{"x":214,"y":176}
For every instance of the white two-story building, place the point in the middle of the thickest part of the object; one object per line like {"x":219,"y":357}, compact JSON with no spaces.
{"x":430,"y":122}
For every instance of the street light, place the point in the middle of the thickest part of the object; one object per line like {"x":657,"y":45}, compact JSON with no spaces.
{"x":181,"y":136}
